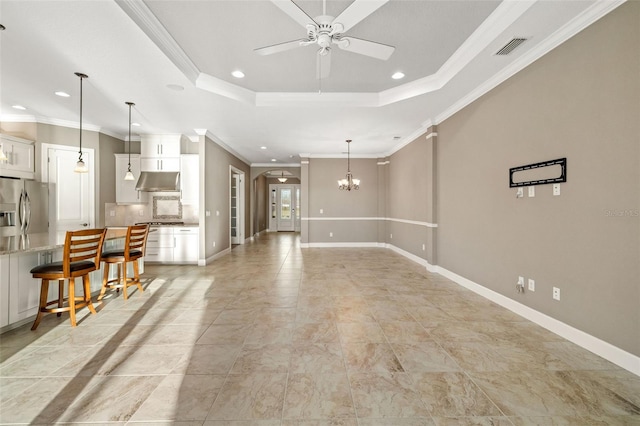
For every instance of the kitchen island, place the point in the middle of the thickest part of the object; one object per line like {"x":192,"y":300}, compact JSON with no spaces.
{"x":19,"y":291}
{"x":47,"y":241}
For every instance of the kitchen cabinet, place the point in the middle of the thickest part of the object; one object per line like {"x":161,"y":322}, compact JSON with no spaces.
{"x":186,"y":244}
{"x":160,"y":245}
{"x":173,"y":244}
{"x":24,"y":290}
{"x":190,"y":179}
{"x":160,"y":164}
{"x":4,"y":290}
{"x":20,"y":153}
{"x":126,"y":192}
{"x":160,"y":146}
{"x":160,"y":153}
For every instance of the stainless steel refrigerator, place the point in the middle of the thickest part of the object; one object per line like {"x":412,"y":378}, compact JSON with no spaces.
{"x":24,"y":207}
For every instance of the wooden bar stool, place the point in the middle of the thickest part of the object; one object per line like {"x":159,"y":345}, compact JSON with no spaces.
{"x":81,"y":256}
{"x":134,"y":248}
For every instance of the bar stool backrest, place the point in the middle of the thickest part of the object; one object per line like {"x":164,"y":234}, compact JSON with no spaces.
{"x":136,"y":242}
{"x":82,"y":246}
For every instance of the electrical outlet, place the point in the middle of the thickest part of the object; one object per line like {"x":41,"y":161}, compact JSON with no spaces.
{"x":556,"y":293}
{"x":214,"y":244}
{"x":556,"y":189}
{"x":521,"y":281}
{"x":112,"y":213}
{"x":391,"y":236}
{"x":321,"y":211}
{"x":532,"y":285}
{"x":331,"y":234}
{"x":424,"y":247}
{"x":532,"y":191}
{"x":520,"y":192}
{"x":141,"y":212}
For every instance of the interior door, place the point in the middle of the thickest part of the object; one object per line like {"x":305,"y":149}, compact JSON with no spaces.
{"x":71,"y":193}
{"x":237,"y":208}
{"x":235,"y":234}
{"x":286,"y":209}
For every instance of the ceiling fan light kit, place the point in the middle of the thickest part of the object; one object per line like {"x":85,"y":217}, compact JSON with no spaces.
{"x":325,"y":31}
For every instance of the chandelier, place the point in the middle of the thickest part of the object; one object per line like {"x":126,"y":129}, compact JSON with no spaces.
{"x":349,"y":182}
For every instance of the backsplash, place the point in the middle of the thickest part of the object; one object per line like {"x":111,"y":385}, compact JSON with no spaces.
{"x":125,"y":215}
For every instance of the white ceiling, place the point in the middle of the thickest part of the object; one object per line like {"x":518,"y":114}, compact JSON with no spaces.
{"x":132,"y":50}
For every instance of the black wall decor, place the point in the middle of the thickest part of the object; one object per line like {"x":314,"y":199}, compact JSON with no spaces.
{"x":562,"y":162}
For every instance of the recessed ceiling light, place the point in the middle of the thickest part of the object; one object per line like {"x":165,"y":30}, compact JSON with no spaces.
{"x":175,"y":87}
{"x":263,"y":147}
{"x":20,"y":107}
{"x":397,"y":76}
{"x":238,"y":74}
{"x":274,"y":160}
{"x":135,"y":124}
{"x":63,"y":94}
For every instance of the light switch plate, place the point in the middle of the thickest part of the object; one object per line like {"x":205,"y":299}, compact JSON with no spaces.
{"x":532,"y":191}
{"x":532,"y":285}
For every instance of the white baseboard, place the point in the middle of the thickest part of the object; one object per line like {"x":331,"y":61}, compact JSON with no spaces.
{"x":599,"y":347}
{"x":216,"y":256}
{"x":411,"y":256}
{"x":335,"y":245}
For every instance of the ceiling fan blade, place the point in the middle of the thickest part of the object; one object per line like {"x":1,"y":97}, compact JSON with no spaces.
{"x":366,"y":47}
{"x":323,"y":65}
{"x":277,"y":48}
{"x":292,"y":9}
{"x":357,"y":11}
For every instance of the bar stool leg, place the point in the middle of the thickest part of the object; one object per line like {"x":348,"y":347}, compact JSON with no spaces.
{"x":44,"y":291}
{"x":87,"y":293}
{"x":125,"y":283}
{"x":105,"y":278}
{"x":119,"y":277}
{"x":136,"y":275}
{"x":60,"y":295}
{"x":72,"y":301}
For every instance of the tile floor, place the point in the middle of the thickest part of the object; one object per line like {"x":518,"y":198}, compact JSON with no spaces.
{"x":276,"y":335}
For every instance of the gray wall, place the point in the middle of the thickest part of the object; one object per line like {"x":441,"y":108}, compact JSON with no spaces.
{"x":215,"y":187}
{"x":104,"y":147}
{"x":323,"y":175}
{"x":580,"y":101}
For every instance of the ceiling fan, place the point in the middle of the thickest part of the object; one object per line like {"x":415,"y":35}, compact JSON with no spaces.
{"x":326,"y":31}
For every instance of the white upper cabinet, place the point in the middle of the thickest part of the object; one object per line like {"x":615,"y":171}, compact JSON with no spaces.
{"x":160,"y":146}
{"x":189,"y":179}
{"x":126,"y":189}
{"x":160,"y":153}
{"x":20,"y":155}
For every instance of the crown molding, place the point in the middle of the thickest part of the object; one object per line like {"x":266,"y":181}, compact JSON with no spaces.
{"x":276,"y":165}
{"x":15,"y":118}
{"x":580,"y":22}
{"x":138,"y":11}
{"x":224,"y":146}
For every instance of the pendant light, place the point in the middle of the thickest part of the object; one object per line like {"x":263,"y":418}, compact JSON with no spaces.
{"x":349,"y":182}
{"x":129,"y":174}
{"x":80,"y":166}
{"x":282,"y":179}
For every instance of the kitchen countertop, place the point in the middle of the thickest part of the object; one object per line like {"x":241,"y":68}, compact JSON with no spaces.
{"x":46,"y":241}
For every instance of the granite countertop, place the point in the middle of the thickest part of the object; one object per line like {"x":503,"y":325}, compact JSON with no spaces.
{"x":46,"y":241}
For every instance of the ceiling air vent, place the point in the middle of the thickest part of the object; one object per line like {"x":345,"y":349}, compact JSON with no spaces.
{"x":511,"y":46}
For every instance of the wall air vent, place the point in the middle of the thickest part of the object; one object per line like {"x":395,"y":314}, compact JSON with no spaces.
{"x":511,"y":46}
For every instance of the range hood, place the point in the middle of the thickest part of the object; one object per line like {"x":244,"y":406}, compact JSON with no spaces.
{"x":158,"y":181}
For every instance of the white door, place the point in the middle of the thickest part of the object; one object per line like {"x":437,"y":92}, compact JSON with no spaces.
{"x":286,"y":209}
{"x":71,"y":193}
{"x":236,"y":215}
